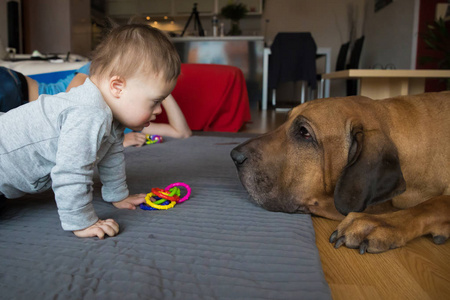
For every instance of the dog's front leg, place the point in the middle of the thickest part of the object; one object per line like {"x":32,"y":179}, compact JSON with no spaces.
{"x":378,"y":233}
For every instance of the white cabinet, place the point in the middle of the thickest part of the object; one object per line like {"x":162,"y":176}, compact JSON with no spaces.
{"x":155,"y":7}
{"x":121,"y":7}
{"x":137,"y":7}
{"x":254,"y":6}
{"x":183,"y":7}
{"x":174,"y":7}
{"x":64,"y":26}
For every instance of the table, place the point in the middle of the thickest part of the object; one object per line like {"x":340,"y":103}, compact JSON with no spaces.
{"x":380,"y":84}
{"x":321,"y":51}
{"x":32,"y":67}
{"x":24,"y":64}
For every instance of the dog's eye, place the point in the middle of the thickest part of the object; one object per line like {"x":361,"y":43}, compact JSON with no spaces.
{"x":305,"y":133}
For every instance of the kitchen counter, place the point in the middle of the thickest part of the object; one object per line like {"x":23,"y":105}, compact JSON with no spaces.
{"x":218,"y":38}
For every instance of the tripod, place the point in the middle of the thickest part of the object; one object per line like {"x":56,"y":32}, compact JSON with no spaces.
{"x":197,"y":22}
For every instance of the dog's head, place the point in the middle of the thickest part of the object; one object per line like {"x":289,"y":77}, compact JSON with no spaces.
{"x":331,"y":157}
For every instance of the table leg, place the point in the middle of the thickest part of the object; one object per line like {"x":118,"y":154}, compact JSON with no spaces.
{"x":375,"y":88}
{"x":381,"y":88}
{"x":265,"y":78}
{"x":416,"y":86}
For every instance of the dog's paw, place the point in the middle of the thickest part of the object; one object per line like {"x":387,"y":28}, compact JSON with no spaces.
{"x":368,"y":233}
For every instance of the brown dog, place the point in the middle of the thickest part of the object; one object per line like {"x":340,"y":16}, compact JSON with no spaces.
{"x":341,"y":156}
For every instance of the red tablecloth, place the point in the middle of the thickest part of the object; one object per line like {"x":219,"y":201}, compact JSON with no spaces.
{"x":211,"y":97}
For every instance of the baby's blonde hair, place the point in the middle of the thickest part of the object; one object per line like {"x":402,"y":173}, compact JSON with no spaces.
{"x":135,"y":49}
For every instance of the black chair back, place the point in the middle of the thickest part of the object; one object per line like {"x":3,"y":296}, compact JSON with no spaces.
{"x":352,"y":84}
{"x":293,"y":58}
{"x":342,"y":57}
{"x":356,"y":53}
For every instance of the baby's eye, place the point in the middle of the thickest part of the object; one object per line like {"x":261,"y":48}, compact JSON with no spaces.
{"x":155,"y":103}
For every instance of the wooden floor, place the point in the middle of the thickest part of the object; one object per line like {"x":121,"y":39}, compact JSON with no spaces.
{"x":420,"y":270}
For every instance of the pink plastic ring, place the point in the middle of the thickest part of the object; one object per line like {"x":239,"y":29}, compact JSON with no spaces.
{"x":187,"y":187}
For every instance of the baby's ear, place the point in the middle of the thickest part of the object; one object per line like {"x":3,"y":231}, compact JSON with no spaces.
{"x":117,"y":85}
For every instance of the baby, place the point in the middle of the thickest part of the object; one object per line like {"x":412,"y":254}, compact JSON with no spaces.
{"x":57,"y":141}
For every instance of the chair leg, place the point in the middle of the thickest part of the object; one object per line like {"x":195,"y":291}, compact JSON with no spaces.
{"x":311,"y":94}
{"x":274,"y":97}
{"x":303,"y":95}
{"x":322,"y":88}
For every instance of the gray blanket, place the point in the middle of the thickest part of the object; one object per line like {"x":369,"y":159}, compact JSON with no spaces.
{"x":216,"y":245}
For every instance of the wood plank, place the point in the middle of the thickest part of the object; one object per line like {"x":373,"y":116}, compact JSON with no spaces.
{"x":364,"y":73}
{"x":354,"y":292}
{"x":420,"y":270}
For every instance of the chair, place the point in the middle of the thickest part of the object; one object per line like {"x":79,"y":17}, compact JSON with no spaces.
{"x":340,"y":65}
{"x":293,"y":58}
{"x":352,"y":85}
{"x":342,"y":57}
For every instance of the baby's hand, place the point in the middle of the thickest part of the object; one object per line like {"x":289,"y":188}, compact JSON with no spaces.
{"x":134,"y":139}
{"x":102,"y":227}
{"x":130,"y":202}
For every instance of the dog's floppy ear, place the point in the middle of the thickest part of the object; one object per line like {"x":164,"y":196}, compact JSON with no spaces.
{"x":372,"y":174}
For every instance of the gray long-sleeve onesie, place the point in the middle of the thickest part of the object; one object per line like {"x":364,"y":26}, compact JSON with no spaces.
{"x":56,"y":141}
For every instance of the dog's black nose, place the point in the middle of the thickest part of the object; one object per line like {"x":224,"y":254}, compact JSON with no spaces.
{"x":238,"y":157}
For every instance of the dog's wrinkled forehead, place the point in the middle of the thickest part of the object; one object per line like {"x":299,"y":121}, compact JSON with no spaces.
{"x":317,"y":118}
{"x":333,"y":113}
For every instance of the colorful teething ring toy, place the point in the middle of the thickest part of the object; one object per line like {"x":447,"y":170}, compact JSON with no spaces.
{"x":144,"y":206}
{"x":187,"y":187}
{"x":167,"y":198}
{"x":165,"y":194}
{"x":152,"y":204}
{"x":160,"y":201}
{"x":153,"y":139}
{"x":157,"y":201}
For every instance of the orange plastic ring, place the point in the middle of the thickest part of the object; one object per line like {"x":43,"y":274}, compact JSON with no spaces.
{"x":164,"y":194}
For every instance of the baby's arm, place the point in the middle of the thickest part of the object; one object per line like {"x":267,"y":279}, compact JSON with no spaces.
{"x":99,"y":229}
{"x":112,"y":174}
{"x":177,"y":127}
{"x":130,"y":202}
{"x":109,"y":226}
{"x":134,"y":139}
{"x":74,"y":169}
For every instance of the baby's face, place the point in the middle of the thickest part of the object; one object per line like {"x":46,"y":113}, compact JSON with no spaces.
{"x":140,"y":100}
